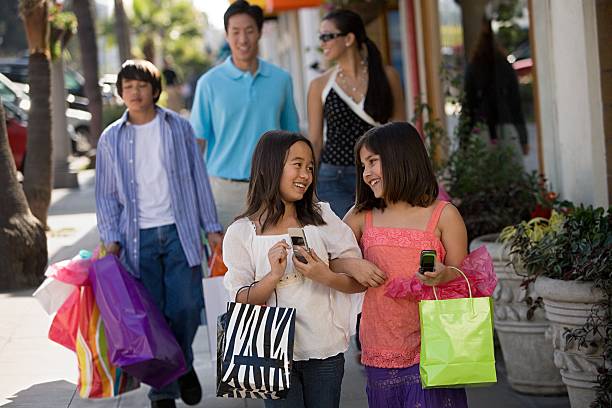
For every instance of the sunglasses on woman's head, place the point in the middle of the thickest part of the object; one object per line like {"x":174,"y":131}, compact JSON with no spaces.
{"x":325,"y":37}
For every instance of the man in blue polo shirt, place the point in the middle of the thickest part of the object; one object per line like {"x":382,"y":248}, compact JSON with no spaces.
{"x":234,"y":104}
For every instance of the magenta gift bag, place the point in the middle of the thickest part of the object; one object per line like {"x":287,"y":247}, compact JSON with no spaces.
{"x":139,"y":339}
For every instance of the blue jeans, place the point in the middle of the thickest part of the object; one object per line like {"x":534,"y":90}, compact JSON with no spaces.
{"x":336,"y":185}
{"x":314,"y":384}
{"x":176,"y":289}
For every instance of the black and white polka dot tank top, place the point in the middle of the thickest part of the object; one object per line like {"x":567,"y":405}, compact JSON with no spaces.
{"x":345,"y":121}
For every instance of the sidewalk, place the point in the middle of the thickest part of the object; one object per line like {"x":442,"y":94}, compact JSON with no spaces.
{"x":35,"y":372}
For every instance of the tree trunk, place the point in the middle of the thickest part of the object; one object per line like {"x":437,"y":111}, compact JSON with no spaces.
{"x":62,"y":177}
{"x":89,"y":58}
{"x":122,"y":30}
{"x":23,"y":244}
{"x":38,"y":173}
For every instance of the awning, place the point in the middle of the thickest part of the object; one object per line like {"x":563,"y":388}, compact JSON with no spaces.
{"x":260,"y":3}
{"x":274,"y":6}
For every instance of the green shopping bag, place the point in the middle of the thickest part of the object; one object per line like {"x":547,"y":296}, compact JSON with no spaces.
{"x":457,"y":341}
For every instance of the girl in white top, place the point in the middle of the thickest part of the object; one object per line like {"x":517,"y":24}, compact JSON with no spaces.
{"x":256,"y":249}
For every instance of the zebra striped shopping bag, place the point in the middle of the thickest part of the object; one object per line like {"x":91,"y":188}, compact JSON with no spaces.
{"x":254,"y":351}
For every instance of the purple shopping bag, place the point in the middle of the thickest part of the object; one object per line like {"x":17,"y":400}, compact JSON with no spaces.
{"x":139,"y":339}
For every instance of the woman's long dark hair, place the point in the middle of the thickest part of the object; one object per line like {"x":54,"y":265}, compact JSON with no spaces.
{"x":267,"y":167}
{"x":487,"y":49}
{"x":379,"y":100}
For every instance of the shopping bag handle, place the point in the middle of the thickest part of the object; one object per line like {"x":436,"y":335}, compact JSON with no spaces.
{"x":462,"y":274}
{"x":248,"y":288}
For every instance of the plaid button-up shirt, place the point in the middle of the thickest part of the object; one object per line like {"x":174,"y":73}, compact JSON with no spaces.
{"x":192,"y":202}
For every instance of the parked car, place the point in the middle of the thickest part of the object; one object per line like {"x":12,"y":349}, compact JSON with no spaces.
{"x":521,"y":61}
{"x":109,"y":89}
{"x":16,"y":69}
{"x":17,"y":129}
{"x":78,"y":120}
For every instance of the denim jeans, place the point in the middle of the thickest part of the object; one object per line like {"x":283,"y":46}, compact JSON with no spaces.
{"x":314,"y":384}
{"x":176,"y":289}
{"x":336,"y":185}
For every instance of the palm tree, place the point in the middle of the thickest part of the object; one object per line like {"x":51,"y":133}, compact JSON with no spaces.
{"x":37,"y":171}
{"x":122,"y":30}
{"x":23,"y":244}
{"x":89,"y":60}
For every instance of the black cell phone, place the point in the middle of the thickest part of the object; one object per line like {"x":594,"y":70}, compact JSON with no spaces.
{"x":428,"y":260}
{"x":298,"y":238}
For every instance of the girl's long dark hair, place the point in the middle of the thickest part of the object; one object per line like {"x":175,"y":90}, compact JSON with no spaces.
{"x":379,"y":99}
{"x":407,"y":171}
{"x":263,"y":198}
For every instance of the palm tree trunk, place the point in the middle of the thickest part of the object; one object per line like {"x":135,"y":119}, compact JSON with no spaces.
{"x":38,"y":173}
{"x":122,"y":30}
{"x":89,"y":58}
{"x":23,"y":244}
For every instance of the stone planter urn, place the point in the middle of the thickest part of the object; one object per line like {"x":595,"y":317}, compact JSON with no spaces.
{"x":567,"y":305}
{"x":527,"y":352}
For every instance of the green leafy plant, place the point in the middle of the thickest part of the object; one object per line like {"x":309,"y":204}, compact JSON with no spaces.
{"x":63,"y":27}
{"x":489,"y":186}
{"x":521,"y":238}
{"x":577,"y":246}
{"x":579,"y":249}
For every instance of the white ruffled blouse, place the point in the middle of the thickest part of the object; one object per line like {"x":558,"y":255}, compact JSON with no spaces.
{"x":325,"y":317}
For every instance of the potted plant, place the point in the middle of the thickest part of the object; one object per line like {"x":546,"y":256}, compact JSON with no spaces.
{"x":520,"y":322}
{"x":571,"y":264}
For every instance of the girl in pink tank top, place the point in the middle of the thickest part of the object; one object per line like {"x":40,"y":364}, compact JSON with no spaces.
{"x":396,"y":216}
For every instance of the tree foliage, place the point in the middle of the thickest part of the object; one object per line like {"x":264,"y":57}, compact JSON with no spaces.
{"x":166,"y":28}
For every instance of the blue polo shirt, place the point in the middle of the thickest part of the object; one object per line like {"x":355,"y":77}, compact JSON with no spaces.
{"x":233,"y":108}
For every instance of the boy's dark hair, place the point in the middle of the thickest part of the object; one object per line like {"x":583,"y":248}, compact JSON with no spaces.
{"x":406,"y":168}
{"x":264,"y":196}
{"x":140,"y":70}
{"x":243,"y":7}
{"x":378,"y":99}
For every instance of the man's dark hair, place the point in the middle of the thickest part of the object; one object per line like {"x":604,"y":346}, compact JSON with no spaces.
{"x":140,"y":70}
{"x":264,"y":197}
{"x":243,"y":7}
{"x":407,"y":171}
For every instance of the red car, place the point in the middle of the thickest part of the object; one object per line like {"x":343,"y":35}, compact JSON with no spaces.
{"x":17,"y":129}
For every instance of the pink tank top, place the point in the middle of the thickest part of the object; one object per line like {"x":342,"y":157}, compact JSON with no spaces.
{"x":389,"y":331}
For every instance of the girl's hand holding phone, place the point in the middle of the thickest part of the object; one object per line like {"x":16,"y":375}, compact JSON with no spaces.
{"x":314,"y":268}
{"x":277,"y":255}
{"x":439,"y":276}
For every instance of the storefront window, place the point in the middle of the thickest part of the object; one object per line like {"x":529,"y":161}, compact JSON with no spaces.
{"x":487,"y":70}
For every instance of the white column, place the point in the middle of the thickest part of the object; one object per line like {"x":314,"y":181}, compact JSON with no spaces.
{"x":310,"y":19}
{"x":62,"y":177}
{"x":570,"y":99}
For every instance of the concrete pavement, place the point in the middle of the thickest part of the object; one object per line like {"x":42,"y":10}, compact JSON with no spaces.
{"x":35,"y":372}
